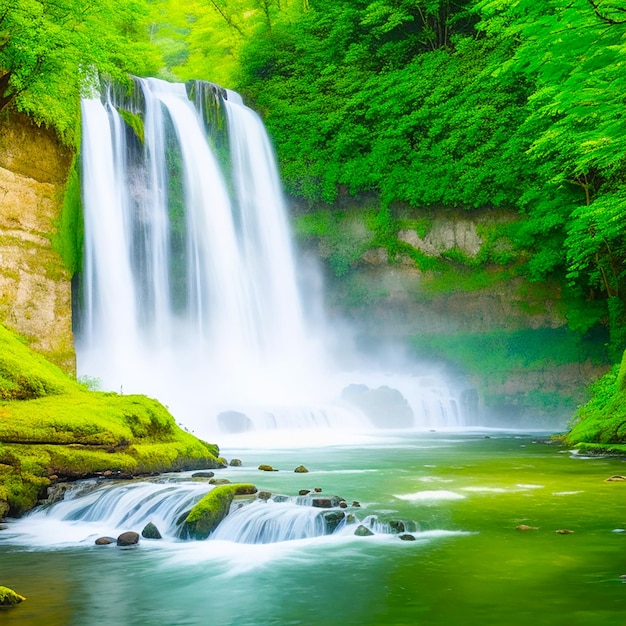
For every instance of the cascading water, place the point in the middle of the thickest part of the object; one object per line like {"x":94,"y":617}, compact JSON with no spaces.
{"x":189,"y":284}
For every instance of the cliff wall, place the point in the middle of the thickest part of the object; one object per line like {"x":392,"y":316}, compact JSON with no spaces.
{"x":447,"y":286}
{"x":35,"y":292}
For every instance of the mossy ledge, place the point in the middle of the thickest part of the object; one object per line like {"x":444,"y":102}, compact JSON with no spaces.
{"x":205,"y":516}
{"x":599,"y":427}
{"x":54,"y":428}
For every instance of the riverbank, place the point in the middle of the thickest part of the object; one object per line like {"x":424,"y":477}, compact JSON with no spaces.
{"x":53,"y":428}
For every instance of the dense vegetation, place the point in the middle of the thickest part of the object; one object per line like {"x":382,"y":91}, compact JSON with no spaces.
{"x":472,"y":105}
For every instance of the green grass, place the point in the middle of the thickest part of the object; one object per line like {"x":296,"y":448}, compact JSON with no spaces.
{"x":51,"y":425}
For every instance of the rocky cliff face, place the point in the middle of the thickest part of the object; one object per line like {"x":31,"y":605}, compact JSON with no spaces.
{"x":447,"y":290}
{"x":35,"y":294}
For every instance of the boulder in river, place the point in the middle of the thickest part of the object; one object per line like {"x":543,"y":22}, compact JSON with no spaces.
{"x":332,"y":519}
{"x":235,"y":463}
{"x":203,"y":475}
{"x":301,"y":470}
{"x":264,"y":467}
{"x":129,"y":538}
{"x":385,"y":407}
{"x":363,"y":531}
{"x":150,"y":531}
{"x":205,"y":516}
{"x":105,"y":541}
{"x":406,"y":537}
{"x":234,"y":422}
{"x":8,"y":597}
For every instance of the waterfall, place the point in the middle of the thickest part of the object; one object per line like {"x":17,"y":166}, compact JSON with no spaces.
{"x":189,"y":282}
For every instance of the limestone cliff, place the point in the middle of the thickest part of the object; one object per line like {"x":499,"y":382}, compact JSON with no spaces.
{"x":446,"y":285}
{"x":35,"y":292}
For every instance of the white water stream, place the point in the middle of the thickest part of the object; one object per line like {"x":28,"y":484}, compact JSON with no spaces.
{"x":190,"y":282}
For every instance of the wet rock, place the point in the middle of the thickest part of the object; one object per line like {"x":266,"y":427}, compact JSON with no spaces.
{"x":326,"y":502}
{"x":234,"y":422}
{"x":150,"y":531}
{"x":264,"y":495}
{"x":267,"y":468}
{"x":203,"y":475}
{"x":304,"y":492}
{"x":235,"y":463}
{"x":105,"y":541}
{"x":317,"y":489}
{"x":564,"y":531}
{"x":8,"y":597}
{"x":332,"y":520}
{"x":343,"y":504}
{"x":615,"y":479}
{"x":356,"y":504}
{"x":56,"y":493}
{"x":362,"y":531}
{"x":205,"y":516}
{"x":526,"y":527}
{"x":221,"y":462}
{"x":219,"y":481}
{"x":406,"y":537}
{"x":129,"y":538}
{"x":385,"y":407}
{"x":301,"y":470}
{"x":397,"y":526}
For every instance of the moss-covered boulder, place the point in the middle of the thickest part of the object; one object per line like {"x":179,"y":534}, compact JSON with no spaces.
{"x":53,"y":428}
{"x":8,"y":597}
{"x":212,"y":509}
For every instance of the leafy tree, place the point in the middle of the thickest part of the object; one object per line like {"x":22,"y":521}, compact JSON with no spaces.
{"x":50,"y":49}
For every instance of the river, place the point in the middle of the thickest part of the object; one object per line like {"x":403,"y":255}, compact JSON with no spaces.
{"x":467,"y":493}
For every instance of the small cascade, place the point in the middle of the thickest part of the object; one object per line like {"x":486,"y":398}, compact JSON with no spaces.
{"x":189,"y":286}
{"x":271,"y":522}
{"x":94,"y":510}
{"x":119,"y":507}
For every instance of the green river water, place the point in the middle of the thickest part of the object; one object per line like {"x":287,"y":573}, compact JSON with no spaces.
{"x":469,"y":564}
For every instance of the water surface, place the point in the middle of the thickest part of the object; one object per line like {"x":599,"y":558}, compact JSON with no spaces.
{"x":468,"y":565}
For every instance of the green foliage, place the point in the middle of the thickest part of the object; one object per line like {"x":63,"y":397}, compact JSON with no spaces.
{"x":498,"y":352}
{"x":68,"y":239}
{"x":341,"y":238}
{"x":134,"y":121}
{"x":50,"y":52}
{"x":603,"y":419}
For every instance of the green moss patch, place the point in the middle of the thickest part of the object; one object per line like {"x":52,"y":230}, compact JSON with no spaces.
{"x":53,"y":426}
{"x":205,"y":516}
{"x":8,"y":597}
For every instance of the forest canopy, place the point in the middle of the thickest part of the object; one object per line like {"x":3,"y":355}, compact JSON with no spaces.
{"x":423,"y":104}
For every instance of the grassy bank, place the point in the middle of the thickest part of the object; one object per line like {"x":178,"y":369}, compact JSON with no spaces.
{"x":53,"y":428}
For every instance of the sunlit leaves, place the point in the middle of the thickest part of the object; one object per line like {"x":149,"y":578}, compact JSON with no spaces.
{"x":49,"y":47}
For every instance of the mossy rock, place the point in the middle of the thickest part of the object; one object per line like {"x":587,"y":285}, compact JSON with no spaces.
{"x":205,"y":516}
{"x":8,"y":597}
{"x":51,"y":425}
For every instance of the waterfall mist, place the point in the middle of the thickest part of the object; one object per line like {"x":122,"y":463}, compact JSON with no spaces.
{"x":189,"y":287}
